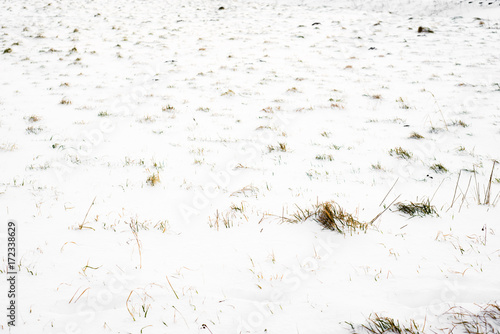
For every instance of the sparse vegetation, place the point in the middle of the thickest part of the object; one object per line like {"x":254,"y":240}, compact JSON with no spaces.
{"x":486,"y":320}
{"x":228,"y":93}
{"x":34,"y":118}
{"x":487,"y":193}
{"x":460,"y":123}
{"x":401,"y":153}
{"x":328,"y":157}
{"x":168,"y":107}
{"x":153,"y":179}
{"x":331,"y":216}
{"x":439,"y":168}
{"x":402,"y":103}
{"x":8,"y":147}
{"x":281,"y":147}
{"x":335,"y":147}
{"x":415,"y":135}
{"x":392,"y":228}
{"x":235,"y":214}
{"x":33,"y":130}
{"x":336,"y":106}
{"x":416,"y":209}
{"x":148,"y":119}
{"x":385,"y":325}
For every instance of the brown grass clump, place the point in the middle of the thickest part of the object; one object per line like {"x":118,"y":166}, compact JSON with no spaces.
{"x":331,"y":216}
{"x":439,"y":168}
{"x":281,"y":147}
{"x":34,"y":118}
{"x":416,"y":135}
{"x":381,"y":325}
{"x":487,"y":320}
{"x":168,"y":107}
{"x":460,"y":123}
{"x":401,"y":153}
{"x":153,"y":179}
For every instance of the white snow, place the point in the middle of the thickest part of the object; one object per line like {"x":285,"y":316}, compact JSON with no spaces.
{"x":196,"y":95}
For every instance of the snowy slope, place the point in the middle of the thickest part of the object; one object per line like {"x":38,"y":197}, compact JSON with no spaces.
{"x":140,"y":155}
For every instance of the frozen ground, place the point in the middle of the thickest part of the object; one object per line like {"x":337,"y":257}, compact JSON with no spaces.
{"x":140,"y":155}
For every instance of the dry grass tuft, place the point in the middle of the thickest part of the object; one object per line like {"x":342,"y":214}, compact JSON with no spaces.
{"x":382,"y":325}
{"x":460,"y":123}
{"x":460,"y":320}
{"x":416,"y":209}
{"x":487,"y":320}
{"x":401,"y":153}
{"x":228,"y":93}
{"x":33,"y":130}
{"x":377,"y":166}
{"x":168,"y":107}
{"x":328,"y":157}
{"x":402,"y":104}
{"x":229,"y":218}
{"x":331,"y":216}
{"x":8,"y":147}
{"x":281,"y":147}
{"x":415,"y":135}
{"x":336,"y":106}
{"x":34,"y":118}
{"x":153,"y":179}
{"x":438,"y":168}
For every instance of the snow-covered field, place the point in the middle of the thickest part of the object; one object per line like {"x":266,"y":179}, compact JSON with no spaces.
{"x":154,"y":153}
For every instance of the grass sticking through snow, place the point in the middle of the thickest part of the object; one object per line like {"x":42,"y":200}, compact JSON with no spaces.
{"x":416,"y":209}
{"x":459,"y":320}
{"x":331,"y":216}
{"x":328,"y":157}
{"x":415,"y":135}
{"x":280,"y":147}
{"x":487,"y":320}
{"x":438,"y":168}
{"x":381,"y":325}
{"x":153,"y":179}
{"x":400,"y":152}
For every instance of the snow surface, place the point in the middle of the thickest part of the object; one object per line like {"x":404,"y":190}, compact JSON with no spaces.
{"x":196,"y":94}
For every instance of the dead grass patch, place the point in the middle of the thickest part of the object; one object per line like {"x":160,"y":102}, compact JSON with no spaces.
{"x":382,"y":325}
{"x":331,"y":216}
{"x":281,"y":147}
{"x":416,"y":135}
{"x":400,"y":153}
{"x":419,"y":209}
